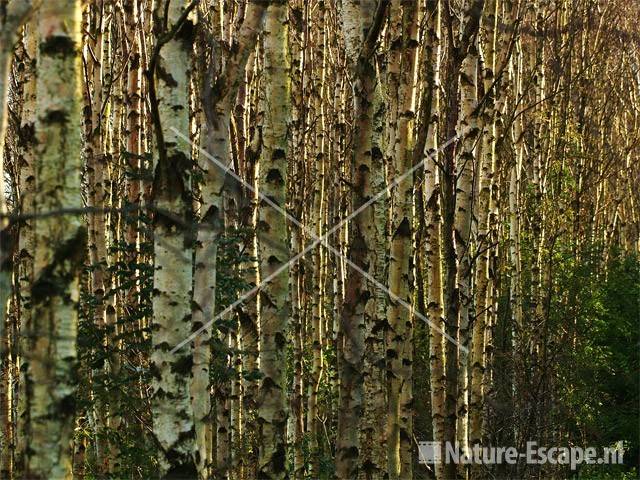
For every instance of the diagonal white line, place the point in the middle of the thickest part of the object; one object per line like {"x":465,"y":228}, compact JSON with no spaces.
{"x":316,"y":241}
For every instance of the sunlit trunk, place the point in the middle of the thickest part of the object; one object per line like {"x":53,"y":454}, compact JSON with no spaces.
{"x":402,"y":92}
{"x":273,"y":247}
{"x":357,"y":17}
{"x":433,"y":240}
{"x":60,"y":242}
{"x":173,"y":423}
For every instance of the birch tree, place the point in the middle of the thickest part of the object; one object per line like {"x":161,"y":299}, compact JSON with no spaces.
{"x":361,"y":24}
{"x":433,"y":236}
{"x":402,"y":86}
{"x":26,"y":243}
{"x":173,"y":423}
{"x":272,"y":182}
{"x":487,"y":165}
{"x":16,"y":14}
{"x":58,"y":260}
{"x":518,"y":244}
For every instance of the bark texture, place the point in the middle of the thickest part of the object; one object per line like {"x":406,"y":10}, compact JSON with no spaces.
{"x":357,"y":18}
{"x":272,"y":245}
{"x":173,"y":423}
{"x":402,"y":84}
{"x":58,"y":258}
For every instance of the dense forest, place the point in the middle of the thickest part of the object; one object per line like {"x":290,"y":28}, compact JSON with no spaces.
{"x":303,"y":239}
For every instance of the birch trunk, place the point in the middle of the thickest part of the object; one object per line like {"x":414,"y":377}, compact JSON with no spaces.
{"x":173,"y":424}
{"x":214,"y":144}
{"x":402,"y":70}
{"x":468,"y":129}
{"x":272,"y":243}
{"x":540,"y":148}
{"x":26,"y":243}
{"x":249,"y":325}
{"x":433,"y":221}
{"x":60,"y":242}
{"x":456,"y":189}
{"x":514,"y":227}
{"x":357,"y":17}
{"x":203,"y":308}
{"x":485,"y":207}
{"x":10,"y":254}
{"x":297,"y":400}
{"x":373,"y":460}
{"x":317,"y":293}
{"x":135,"y":146}
{"x":95,"y":171}
{"x":17,"y":12}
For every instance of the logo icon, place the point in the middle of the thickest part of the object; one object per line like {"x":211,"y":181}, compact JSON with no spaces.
{"x":429,"y":453}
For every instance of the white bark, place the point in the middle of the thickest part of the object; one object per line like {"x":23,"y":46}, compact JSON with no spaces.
{"x":272,"y":242}
{"x":173,"y":423}
{"x":60,"y":241}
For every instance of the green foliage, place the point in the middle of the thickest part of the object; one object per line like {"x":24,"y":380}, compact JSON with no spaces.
{"x":113,"y":358}
{"x":231,"y":268}
{"x":613,"y":472}
{"x":601,"y":385}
